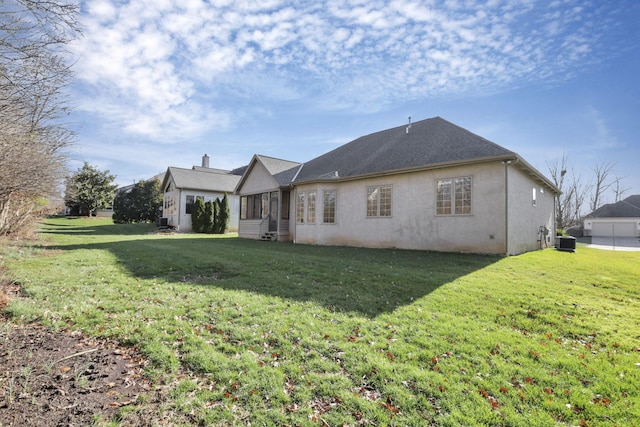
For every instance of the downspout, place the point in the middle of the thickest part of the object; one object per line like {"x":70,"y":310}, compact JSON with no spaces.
{"x":555,"y":225}
{"x":179,"y":207}
{"x":292,"y":202}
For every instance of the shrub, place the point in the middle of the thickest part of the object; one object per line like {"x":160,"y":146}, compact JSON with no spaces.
{"x":210,"y":217}
{"x":140,"y":204}
{"x":199,"y":216}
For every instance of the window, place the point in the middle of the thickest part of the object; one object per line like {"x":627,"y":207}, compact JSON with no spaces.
{"x":169,"y":205}
{"x":306,"y":203}
{"x":453,"y":196}
{"x":463,"y":196}
{"x":379,"y":201}
{"x":189,"y":203}
{"x":311,"y":207}
{"x":533,"y":195}
{"x":329,"y":212}
{"x":255,"y":206}
{"x":300,"y":208}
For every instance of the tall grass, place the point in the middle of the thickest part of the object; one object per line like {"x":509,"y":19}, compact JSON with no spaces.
{"x":282,"y":334}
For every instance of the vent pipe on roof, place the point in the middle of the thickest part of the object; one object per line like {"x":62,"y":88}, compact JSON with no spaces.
{"x":205,"y":161}
{"x":409,"y":125}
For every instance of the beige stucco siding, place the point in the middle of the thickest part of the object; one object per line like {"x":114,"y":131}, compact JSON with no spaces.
{"x":259,"y":180}
{"x":414,"y":223}
{"x":525,"y":217}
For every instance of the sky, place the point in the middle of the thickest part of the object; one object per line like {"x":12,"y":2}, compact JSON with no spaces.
{"x":161,"y":83}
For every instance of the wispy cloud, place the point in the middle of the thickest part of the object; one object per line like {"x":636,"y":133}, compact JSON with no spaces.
{"x":166,"y":70}
{"x":602,"y":137}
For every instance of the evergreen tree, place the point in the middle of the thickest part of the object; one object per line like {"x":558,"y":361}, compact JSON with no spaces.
{"x":224,"y":216}
{"x":148,"y":200}
{"x":198,"y":216}
{"x":140,"y":204}
{"x":122,"y":209}
{"x":209,"y":222}
{"x":211,"y":217}
{"x":89,"y":189}
{"x":216,"y":215}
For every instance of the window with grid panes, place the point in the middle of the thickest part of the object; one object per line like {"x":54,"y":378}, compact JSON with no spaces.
{"x":329,"y":207}
{"x":453,"y":196}
{"x":300,"y":208}
{"x":311,"y":207}
{"x":379,"y":201}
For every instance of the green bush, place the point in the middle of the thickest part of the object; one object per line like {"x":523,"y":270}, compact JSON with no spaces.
{"x":211,"y":217}
{"x":224,"y":215}
{"x":140,"y":204}
{"x":199,"y":216}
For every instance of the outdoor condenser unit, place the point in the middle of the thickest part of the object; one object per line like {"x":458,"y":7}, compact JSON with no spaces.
{"x":566,"y":243}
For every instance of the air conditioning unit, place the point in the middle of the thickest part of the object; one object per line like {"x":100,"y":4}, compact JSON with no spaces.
{"x":566,"y":243}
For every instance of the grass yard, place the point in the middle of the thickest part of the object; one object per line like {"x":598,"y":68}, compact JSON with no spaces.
{"x":282,"y":334}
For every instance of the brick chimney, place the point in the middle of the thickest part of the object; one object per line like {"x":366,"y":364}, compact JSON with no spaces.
{"x":205,"y":161}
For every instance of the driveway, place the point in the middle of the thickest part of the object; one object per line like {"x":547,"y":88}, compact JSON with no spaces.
{"x":615,"y":243}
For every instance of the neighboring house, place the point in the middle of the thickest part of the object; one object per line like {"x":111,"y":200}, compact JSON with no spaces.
{"x":621,"y":219}
{"x":429,"y":185}
{"x":182,"y":187}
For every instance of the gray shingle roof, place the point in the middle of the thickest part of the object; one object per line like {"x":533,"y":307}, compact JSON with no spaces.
{"x":199,"y":179}
{"x":627,"y":208}
{"x":428,"y":142}
{"x":283,"y":171}
{"x":275,"y":166}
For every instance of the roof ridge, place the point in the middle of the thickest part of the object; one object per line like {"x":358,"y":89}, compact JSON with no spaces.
{"x":201,"y":169}
{"x":630,"y":204}
{"x":277,"y":158}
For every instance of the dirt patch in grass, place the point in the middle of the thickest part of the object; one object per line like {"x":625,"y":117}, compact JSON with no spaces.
{"x":50,"y":378}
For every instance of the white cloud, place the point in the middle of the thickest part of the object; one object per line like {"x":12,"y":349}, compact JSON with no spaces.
{"x":147,"y":63}
{"x":602,"y":137}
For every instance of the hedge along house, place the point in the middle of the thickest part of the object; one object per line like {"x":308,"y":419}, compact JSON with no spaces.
{"x":182,"y":187}
{"x":428,"y":185}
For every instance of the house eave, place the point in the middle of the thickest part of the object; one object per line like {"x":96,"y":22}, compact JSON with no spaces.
{"x":524,"y":165}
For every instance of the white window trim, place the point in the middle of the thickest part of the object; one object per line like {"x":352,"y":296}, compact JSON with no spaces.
{"x":453,"y":198}
{"x":335,"y":206}
{"x":379,"y":187}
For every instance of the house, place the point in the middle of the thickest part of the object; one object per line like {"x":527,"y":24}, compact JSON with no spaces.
{"x":428,"y":185}
{"x":620,"y":219}
{"x":265,"y":198}
{"x":182,"y":187}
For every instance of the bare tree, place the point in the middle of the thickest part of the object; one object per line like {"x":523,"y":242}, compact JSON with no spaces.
{"x":558,"y":171}
{"x":617,"y":188}
{"x":33,"y":77}
{"x":601,"y":184}
{"x":578,"y":191}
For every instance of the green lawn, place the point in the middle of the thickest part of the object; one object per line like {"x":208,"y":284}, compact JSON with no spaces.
{"x":282,"y":334}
